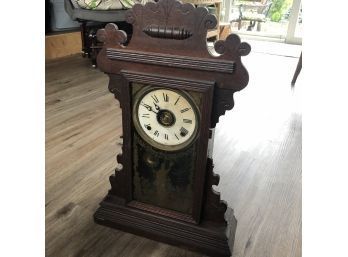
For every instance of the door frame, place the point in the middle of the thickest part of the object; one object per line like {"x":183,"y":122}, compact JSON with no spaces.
{"x":293,"y":18}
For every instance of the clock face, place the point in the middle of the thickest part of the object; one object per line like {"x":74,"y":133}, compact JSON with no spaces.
{"x":165,"y":118}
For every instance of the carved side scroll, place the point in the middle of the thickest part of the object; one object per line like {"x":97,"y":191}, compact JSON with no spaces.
{"x":215,"y":208}
{"x":232,"y":46}
{"x":117,"y":180}
{"x":224,"y":102}
{"x":112,"y":36}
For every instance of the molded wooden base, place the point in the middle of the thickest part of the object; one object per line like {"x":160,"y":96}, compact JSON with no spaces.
{"x":208,"y":238}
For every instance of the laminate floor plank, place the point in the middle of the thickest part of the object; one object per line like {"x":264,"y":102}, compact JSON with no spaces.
{"x":257,"y":155}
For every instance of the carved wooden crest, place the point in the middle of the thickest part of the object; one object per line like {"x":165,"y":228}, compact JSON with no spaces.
{"x":173,"y":35}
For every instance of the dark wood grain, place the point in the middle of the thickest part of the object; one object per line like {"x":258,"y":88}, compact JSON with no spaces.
{"x":181,"y":83}
{"x":169,"y":49}
{"x":171,"y":60}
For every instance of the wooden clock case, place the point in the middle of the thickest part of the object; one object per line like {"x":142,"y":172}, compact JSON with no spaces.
{"x":168,"y":49}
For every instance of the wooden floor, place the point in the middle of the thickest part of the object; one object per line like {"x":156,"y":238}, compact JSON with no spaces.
{"x":257,"y":154}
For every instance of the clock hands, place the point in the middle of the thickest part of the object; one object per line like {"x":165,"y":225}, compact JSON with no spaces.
{"x":156,"y":106}
{"x":148,"y":107}
{"x":174,"y":123}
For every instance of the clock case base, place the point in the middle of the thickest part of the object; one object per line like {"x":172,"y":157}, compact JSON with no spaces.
{"x":212,"y":236}
{"x":208,"y":237}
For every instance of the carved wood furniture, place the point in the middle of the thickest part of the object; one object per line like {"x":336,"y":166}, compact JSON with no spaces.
{"x":162,"y":186}
{"x":215,"y":32}
{"x":91,"y":21}
{"x":254,"y":11}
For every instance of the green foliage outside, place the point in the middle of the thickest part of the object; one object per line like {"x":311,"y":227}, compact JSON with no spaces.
{"x":276,"y":17}
{"x":278,"y":8}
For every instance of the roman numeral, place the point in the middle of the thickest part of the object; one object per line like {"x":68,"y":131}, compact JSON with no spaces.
{"x":154,"y":97}
{"x":183,"y":132}
{"x":146,"y":115}
{"x":176,"y":136}
{"x":185,"y":110}
{"x":166,"y":136}
{"x":165,"y":97}
{"x":156,"y":133}
{"x":177,"y":100}
{"x":187,"y":121}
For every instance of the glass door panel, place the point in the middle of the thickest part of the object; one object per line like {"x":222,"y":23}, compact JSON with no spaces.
{"x":266,"y":18}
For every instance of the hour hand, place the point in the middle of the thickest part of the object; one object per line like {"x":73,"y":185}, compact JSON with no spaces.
{"x":156,"y":106}
{"x":148,"y":107}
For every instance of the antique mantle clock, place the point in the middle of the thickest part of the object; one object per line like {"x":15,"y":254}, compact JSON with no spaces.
{"x":172,"y":89}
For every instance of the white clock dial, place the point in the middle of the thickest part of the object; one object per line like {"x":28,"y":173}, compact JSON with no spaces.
{"x":167,"y":117}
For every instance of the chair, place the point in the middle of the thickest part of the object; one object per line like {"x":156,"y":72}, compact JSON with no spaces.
{"x":254,"y":11}
{"x":91,"y":21}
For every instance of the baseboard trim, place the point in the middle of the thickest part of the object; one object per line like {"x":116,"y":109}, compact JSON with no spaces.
{"x":62,"y":44}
